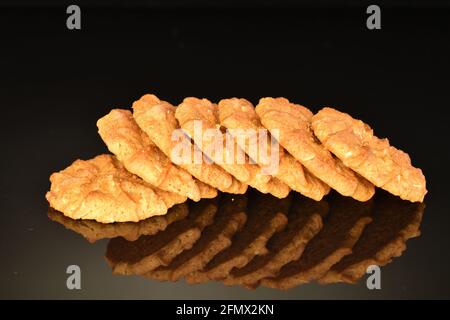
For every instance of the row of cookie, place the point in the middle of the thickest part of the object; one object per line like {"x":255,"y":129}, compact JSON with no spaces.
{"x":143,"y":143}
{"x":348,"y":157}
{"x":256,"y":239}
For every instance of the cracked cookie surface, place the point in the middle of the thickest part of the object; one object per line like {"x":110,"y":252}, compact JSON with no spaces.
{"x":292,"y":122}
{"x":102,"y":189}
{"x":355,"y":144}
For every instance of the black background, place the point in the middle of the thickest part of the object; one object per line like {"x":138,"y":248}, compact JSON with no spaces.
{"x":55,"y":84}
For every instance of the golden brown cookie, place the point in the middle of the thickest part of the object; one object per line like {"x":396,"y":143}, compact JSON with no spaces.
{"x":93,"y":231}
{"x":229,"y":219}
{"x":394,"y":222}
{"x":343,"y":227}
{"x":149,"y":252}
{"x":238,"y":114}
{"x":142,"y":157}
{"x":206,"y":191}
{"x":304,"y":222}
{"x":354,"y":143}
{"x":102,"y":189}
{"x":157,"y":119}
{"x":292,"y":122}
{"x":194,"y":112}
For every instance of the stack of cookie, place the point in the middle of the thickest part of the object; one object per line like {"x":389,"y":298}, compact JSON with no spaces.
{"x":144,"y":178}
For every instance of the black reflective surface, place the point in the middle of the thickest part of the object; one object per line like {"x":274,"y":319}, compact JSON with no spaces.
{"x":256,"y":239}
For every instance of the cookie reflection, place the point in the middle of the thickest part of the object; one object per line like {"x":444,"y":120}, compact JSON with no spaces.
{"x":93,"y":231}
{"x":256,"y":240}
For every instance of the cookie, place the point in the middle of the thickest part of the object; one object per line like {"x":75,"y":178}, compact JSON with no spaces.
{"x":194,"y":112}
{"x":355,"y":144}
{"x":239,"y":114}
{"x":102,"y":189}
{"x":142,"y":157}
{"x":292,"y":122}
{"x":157,"y":119}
